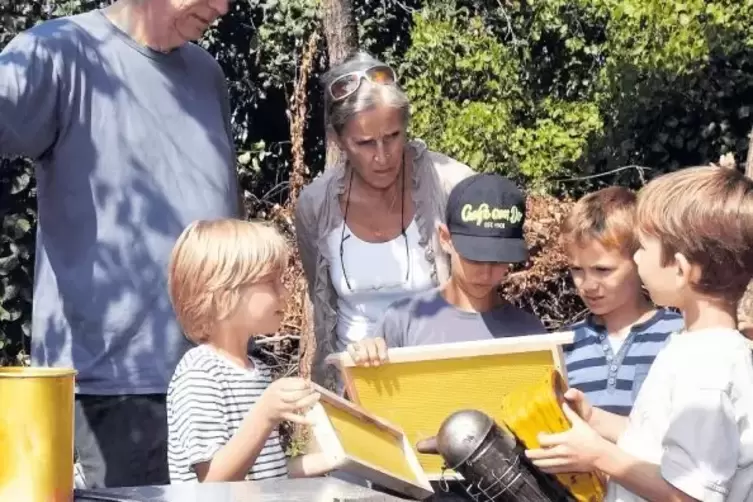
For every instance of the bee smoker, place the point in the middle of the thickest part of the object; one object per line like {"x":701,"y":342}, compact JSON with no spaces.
{"x":492,"y":461}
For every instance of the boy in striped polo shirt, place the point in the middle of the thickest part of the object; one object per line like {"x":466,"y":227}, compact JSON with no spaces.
{"x":616,"y":344}
{"x":223,"y":409}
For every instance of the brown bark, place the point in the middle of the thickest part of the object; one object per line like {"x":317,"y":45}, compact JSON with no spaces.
{"x":749,"y":160}
{"x":307,"y":346}
{"x":298,"y":115}
{"x":341,"y":34}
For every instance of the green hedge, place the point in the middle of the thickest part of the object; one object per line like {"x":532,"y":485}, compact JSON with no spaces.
{"x":562,"y":88}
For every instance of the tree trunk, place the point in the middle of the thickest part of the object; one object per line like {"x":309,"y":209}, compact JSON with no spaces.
{"x":749,"y":160}
{"x":341,"y":34}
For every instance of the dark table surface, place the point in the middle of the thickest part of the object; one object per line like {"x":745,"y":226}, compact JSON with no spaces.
{"x":325,"y":489}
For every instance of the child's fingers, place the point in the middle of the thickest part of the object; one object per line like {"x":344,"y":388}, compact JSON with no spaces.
{"x":355,"y":352}
{"x":296,"y":418}
{"x":576,"y":400}
{"x":554,"y":465}
{"x":372,"y":353}
{"x":573,"y":395}
{"x":368,"y":352}
{"x":551,"y":441}
{"x":381,"y":348}
{"x":306,"y":402}
{"x":296,"y":412}
{"x":294,"y":383}
{"x":292,"y":397}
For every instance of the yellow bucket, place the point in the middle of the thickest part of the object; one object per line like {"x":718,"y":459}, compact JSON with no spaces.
{"x":36,"y":434}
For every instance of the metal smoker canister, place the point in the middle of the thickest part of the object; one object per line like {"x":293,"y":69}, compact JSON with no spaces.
{"x":36,"y":434}
{"x":492,"y":461}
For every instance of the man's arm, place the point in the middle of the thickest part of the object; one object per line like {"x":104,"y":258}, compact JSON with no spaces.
{"x":227,"y":119}
{"x":29,"y":89}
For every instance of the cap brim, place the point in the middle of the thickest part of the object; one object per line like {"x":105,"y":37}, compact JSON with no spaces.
{"x":490,"y":249}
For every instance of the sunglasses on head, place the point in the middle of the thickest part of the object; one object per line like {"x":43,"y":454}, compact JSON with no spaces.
{"x":347,"y":84}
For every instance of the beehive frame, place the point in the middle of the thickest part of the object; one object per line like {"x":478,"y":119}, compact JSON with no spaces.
{"x":353,"y":440}
{"x":420,"y":386}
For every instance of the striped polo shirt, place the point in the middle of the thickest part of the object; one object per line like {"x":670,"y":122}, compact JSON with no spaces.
{"x":611,"y":381}
{"x":207,"y":400}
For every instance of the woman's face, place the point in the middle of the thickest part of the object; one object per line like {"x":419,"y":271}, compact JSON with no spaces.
{"x":374,"y":141}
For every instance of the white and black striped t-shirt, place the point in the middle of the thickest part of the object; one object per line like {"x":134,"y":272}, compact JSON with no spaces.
{"x":207,"y":399}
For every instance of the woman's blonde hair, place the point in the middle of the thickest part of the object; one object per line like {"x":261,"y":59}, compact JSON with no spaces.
{"x":212,"y":261}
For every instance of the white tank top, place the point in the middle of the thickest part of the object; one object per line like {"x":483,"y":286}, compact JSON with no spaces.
{"x":377,"y":276}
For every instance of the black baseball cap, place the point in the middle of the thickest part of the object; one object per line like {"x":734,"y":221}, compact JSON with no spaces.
{"x":485,"y":216}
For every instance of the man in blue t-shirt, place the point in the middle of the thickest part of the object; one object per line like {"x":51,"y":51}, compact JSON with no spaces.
{"x":129,"y":126}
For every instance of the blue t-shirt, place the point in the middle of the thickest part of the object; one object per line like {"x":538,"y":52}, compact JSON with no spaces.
{"x":131,"y":145}
{"x":427,"y":318}
{"x":611,"y":381}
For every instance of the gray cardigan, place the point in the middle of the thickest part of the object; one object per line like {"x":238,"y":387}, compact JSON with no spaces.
{"x":318,"y":212}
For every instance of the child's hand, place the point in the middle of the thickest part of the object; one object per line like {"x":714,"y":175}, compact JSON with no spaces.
{"x":368,"y":352}
{"x":575,"y":450}
{"x":286,"y":399}
{"x":579,"y":404}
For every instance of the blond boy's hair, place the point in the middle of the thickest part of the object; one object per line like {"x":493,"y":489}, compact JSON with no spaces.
{"x":211,"y":263}
{"x":606,"y":216}
{"x":706,"y":214}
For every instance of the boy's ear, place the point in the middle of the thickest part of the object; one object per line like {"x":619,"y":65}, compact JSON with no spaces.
{"x":687,"y":272}
{"x":445,"y":241}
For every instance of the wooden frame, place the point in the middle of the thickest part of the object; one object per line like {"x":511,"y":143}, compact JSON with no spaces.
{"x":331,"y":443}
{"x":545,"y":349}
{"x":510,"y":345}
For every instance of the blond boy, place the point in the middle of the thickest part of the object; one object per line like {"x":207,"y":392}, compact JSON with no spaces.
{"x":618,"y":341}
{"x":690,"y":434}
{"x":223,"y":409}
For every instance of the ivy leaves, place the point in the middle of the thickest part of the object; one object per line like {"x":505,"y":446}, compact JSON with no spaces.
{"x":480,"y":99}
{"x":542,"y":90}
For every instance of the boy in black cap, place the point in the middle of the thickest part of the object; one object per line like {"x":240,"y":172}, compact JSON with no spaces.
{"x":483,"y":234}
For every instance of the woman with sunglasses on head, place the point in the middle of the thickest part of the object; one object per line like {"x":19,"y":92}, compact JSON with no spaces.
{"x":366,"y":227}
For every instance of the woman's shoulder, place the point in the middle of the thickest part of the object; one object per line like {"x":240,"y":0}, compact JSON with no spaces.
{"x":318,"y":188}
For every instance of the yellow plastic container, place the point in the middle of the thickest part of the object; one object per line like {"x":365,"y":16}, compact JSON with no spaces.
{"x":36,"y":434}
